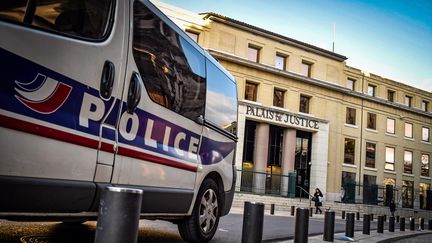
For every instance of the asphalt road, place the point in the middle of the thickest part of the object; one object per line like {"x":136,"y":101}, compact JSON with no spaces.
{"x":229,"y":230}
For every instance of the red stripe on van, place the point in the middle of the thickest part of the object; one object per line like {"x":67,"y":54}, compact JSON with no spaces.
{"x":155,"y":159}
{"x":44,"y":131}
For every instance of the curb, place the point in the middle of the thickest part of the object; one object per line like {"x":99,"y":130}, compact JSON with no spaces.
{"x":389,"y":240}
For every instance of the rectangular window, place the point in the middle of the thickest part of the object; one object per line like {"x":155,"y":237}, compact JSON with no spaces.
{"x":278,"y":98}
{"x":369,"y":185}
{"x":275,"y":146}
{"x":424,"y":106}
{"x":408,"y":100}
{"x":423,"y":189}
{"x":193,"y":35}
{"x":348,"y":183}
{"x":425,"y":134}
{"x":253,"y":53}
{"x":77,"y":18}
{"x":304,"y":104}
{"x":371,"y":90}
{"x":280,"y":61}
{"x":389,"y":158}
{"x":350,"y":116}
{"x":248,"y":158}
{"x":390,"y":95}
{"x":350,"y":84}
{"x":407,"y":194}
{"x":249,"y":141}
{"x":408,"y":130}
{"x":370,"y":155}
{"x":408,"y":159}
{"x":172,"y":70}
{"x":391,"y":125}
{"x":221,"y":98}
{"x":251,"y":91}
{"x":425,"y":164}
{"x":349,"y":151}
{"x":371,"y":121}
{"x":306,"y":69}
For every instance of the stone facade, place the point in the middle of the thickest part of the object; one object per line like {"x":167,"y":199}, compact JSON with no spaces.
{"x":359,"y":145}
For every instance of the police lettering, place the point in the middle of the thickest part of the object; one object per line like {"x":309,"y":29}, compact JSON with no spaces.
{"x":143,"y":131}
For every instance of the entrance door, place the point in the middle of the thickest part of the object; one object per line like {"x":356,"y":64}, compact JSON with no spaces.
{"x":302,"y":163}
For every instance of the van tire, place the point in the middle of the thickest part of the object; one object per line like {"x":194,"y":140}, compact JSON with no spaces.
{"x":207,"y":206}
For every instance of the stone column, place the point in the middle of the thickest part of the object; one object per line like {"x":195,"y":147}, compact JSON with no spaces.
{"x":260,"y":157}
{"x":239,"y":149}
{"x":288,"y":157}
{"x":319,"y":158}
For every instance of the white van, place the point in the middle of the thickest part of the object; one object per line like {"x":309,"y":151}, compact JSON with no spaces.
{"x":97,"y":93}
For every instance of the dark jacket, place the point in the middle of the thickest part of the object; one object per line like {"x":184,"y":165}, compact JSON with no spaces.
{"x":392,"y":207}
{"x":316,"y":198}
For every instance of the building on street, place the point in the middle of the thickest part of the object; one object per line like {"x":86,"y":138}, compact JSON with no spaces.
{"x":308,"y":120}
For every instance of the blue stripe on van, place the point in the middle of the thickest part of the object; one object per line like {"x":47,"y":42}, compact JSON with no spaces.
{"x":16,"y":69}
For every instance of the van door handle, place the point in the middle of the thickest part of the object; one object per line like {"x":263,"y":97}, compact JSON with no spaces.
{"x":107,"y":80}
{"x":134,"y":93}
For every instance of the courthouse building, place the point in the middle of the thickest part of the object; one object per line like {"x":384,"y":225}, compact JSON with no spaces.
{"x":306,"y":118}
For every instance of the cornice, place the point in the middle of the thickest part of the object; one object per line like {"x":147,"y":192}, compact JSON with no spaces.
{"x":320,"y":83}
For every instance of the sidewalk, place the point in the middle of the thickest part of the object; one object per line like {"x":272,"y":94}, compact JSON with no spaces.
{"x":373,"y":237}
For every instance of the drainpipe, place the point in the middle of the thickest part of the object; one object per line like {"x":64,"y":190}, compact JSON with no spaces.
{"x":361,"y":132}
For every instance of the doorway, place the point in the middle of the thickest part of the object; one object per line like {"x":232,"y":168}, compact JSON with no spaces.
{"x":302,"y":162}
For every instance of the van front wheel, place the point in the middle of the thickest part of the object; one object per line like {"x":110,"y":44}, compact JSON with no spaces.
{"x":202,"y":224}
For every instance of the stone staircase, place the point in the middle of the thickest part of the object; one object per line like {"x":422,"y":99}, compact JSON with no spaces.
{"x":284,"y":204}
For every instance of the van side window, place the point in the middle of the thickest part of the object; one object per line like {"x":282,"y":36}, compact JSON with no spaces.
{"x":87,"y":19}
{"x":221,"y":103}
{"x":172,"y":70}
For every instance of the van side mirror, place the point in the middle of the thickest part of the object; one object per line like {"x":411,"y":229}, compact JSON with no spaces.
{"x":200,"y":120}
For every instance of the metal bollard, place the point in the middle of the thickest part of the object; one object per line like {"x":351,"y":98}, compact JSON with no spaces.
{"x":402,"y":224}
{"x":412,"y":223}
{"x":371,"y":216}
{"x":310,"y":212}
{"x":343,"y":214}
{"x":358,"y":216}
{"x":253,"y":221}
{"x":349,"y":227}
{"x":397,"y":218}
{"x":272,"y":209}
{"x":366,"y":224}
{"x":391,"y":224}
{"x":380,"y":228}
{"x":292,"y":210}
{"x":329,"y":224}
{"x":422,"y":223}
{"x":430,"y":224}
{"x":118,"y":215}
{"x":301,"y":225}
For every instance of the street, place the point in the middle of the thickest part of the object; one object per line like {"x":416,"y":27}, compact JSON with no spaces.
{"x":276,"y":228}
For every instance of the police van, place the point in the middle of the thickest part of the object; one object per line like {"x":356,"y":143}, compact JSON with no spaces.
{"x":97,"y":93}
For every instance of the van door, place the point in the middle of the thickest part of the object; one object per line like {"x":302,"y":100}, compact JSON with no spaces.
{"x":159,"y":132}
{"x":62,"y":75}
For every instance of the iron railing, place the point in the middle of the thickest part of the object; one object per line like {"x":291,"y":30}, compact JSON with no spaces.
{"x":279,"y":185}
{"x":263,"y":183}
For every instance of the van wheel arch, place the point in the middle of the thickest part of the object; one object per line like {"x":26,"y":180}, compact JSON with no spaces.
{"x":218,"y":179}
{"x":207,"y":206}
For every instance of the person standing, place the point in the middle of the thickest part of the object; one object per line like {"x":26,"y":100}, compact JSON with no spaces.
{"x":318,"y":198}
{"x":392,"y":207}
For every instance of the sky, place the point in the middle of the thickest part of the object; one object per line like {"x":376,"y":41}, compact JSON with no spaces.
{"x":388,"y":38}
